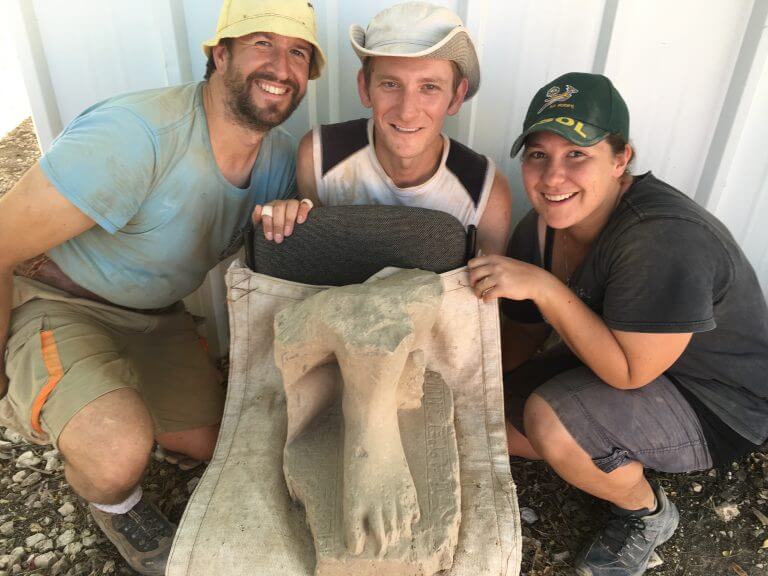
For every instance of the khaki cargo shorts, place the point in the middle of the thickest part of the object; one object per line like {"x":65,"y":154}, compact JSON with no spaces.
{"x":65,"y":352}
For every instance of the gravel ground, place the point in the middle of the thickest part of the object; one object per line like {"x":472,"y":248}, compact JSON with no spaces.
{"x":46,"y":529}
{"x":18,"y":151}
{"x":723,"y":524}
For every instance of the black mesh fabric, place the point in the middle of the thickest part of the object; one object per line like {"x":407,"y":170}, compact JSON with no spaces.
{"x":342,"y":245}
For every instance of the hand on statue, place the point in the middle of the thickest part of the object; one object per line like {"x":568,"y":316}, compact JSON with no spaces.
{"x":279,"y":217}
{"x":497,"y":276}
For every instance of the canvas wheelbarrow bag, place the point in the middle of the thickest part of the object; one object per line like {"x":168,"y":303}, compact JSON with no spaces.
{"x":241,"y":519}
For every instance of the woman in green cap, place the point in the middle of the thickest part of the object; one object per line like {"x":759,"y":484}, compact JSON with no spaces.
{"x":636,"y":332}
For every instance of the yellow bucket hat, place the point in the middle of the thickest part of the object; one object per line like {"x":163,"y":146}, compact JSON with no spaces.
{"x":294,"y":18}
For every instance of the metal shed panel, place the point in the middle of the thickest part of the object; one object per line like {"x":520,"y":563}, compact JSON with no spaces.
{"x":693,"y":72}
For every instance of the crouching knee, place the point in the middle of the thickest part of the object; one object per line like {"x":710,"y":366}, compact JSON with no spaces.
{"x":107,"y":474}
{"x":117,"y":478}
{"x":107,"y":451}
{"x":545,"y":431}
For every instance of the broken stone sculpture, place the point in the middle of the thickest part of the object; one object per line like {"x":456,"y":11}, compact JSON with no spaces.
{"x":371,"y":447}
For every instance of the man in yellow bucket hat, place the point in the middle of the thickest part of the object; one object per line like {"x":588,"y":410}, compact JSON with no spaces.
{"x":266,"y":34}
{"x":134,"y":203}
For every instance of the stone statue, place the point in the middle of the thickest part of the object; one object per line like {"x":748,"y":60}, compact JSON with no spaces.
{"x":371,"y":447}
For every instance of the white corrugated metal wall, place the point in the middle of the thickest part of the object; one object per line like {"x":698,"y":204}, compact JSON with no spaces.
{"x":694,"y":74}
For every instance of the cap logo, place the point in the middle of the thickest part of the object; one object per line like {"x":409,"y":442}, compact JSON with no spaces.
{"x":575,"y":125}
{"x":554,"y":96}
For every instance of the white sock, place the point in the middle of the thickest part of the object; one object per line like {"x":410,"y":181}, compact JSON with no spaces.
{"x":124,"y":506}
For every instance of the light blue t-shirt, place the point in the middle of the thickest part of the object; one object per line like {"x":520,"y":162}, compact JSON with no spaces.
{"x":142,"y":167}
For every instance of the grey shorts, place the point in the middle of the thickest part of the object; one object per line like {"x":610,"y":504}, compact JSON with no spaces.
{"x":653,"y":425}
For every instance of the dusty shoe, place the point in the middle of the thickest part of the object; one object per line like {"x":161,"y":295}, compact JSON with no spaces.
{"x":626,"y":543}
{"x":143,"y":536}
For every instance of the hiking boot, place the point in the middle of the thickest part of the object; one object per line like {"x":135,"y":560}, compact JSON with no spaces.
{"x":143,"y":536}
{"x":626,"y":543}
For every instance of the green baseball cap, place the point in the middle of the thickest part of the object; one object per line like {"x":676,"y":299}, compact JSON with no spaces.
{"x":582,"y":108}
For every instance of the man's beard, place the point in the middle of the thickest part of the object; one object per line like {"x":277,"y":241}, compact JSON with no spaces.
{"x":246,"y":112}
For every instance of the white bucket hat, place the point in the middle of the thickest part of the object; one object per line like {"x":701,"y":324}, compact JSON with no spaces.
{"x":419,"y":30}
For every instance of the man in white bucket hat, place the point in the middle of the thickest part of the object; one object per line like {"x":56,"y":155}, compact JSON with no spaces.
{"x":419,"y":66}
{"x":134,"y":203}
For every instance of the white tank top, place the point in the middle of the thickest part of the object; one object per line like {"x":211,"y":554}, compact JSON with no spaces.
{"x":347,"y":171}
